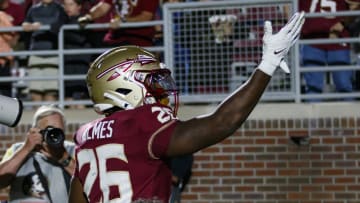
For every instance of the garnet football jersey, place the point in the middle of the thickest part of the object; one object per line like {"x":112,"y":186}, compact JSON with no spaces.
{"x":122,"y":157}
{"x":315,"y":28}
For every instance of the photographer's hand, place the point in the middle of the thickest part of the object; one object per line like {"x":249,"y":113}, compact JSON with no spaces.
{"x":33,"y":139}
{"x":61,"y":156}
{"x":51,"y":152}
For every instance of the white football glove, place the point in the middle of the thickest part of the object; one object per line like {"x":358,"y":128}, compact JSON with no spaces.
{"x":276,"y":46}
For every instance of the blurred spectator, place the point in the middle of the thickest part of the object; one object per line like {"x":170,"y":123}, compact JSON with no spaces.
{"x":16,"y":15}
{"x":7,"y":41}
{"x":181,"y":50}
{"x":75,"y":64}
{"x":354,"y":28}
{"x":47,"y":12}
{"x":159,"y":35}
{"x":95,"y":36}
{"x":125,"y":11}
{"x":325,"y":54}
{"x":16,"y":11}
{"x":158,"y":39}
{"x":27,"y":4}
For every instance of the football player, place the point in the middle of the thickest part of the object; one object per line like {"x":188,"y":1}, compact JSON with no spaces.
{"x":124,"y":157}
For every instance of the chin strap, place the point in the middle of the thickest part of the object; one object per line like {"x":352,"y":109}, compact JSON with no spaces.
{"x":100,"y":108}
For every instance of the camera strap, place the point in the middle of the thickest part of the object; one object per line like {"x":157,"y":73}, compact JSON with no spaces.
{"x":66,"y":175}
{"x":42,"y":178}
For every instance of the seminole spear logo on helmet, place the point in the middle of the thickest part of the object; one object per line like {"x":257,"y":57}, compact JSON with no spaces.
{"x":122,"y":67}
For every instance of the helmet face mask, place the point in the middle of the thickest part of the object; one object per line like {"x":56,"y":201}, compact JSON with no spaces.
{"x":128,"y":77}
{"x":160,"y":84}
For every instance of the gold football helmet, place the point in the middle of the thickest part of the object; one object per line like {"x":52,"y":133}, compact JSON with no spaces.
{"x":128,"y":77}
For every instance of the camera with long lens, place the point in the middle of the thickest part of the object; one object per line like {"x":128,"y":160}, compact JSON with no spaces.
{"x":53,"y":136}
{"x":10,"y":111}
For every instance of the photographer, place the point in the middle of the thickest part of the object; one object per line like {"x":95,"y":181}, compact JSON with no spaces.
{"x":39,"y":169}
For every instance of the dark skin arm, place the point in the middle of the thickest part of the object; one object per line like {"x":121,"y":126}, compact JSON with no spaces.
{"x":200,"y":132}
{"x":76,"y":192}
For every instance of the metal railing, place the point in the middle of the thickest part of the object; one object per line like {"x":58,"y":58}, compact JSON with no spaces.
{"x":215,"y":78}
{"x":282,"y":87}
{"x":61,"y":52}
{"x":302,"y":69}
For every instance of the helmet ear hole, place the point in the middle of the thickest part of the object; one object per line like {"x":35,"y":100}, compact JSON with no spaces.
{"x":123,"y":91}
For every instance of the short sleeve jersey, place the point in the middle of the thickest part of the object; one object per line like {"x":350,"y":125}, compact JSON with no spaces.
{"x":122,"y":157}
{"x":141,"y":36}
{"x":17,"y":12}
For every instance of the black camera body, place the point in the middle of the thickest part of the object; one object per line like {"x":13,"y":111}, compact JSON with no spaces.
{"x":53,"y":136}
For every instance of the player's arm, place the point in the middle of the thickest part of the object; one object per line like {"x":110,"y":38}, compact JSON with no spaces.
{"x":76,"y":192}
{"x":200,"y":132}
{"x":97,"y":11}
{"x":143,"y":16}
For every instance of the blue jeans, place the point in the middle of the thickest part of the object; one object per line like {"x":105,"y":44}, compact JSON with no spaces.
{"x":312,"y":56}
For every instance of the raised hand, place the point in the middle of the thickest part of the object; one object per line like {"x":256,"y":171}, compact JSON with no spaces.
{"x":276,"y":46}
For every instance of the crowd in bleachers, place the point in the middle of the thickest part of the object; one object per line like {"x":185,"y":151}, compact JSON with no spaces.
{"x":31,"y":14}
{"x":333,"y":54}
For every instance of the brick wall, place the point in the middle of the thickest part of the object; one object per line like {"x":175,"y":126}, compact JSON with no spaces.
{"x":259,"y":163}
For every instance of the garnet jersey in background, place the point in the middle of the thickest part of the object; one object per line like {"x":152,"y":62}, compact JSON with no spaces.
{"x":16,"y":11}
{"x":122,"y":156}
{"x":140,"y":36}
{"x":320,"y":27}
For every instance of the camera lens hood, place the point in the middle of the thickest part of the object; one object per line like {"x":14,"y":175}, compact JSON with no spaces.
{"x":10,"y":111}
